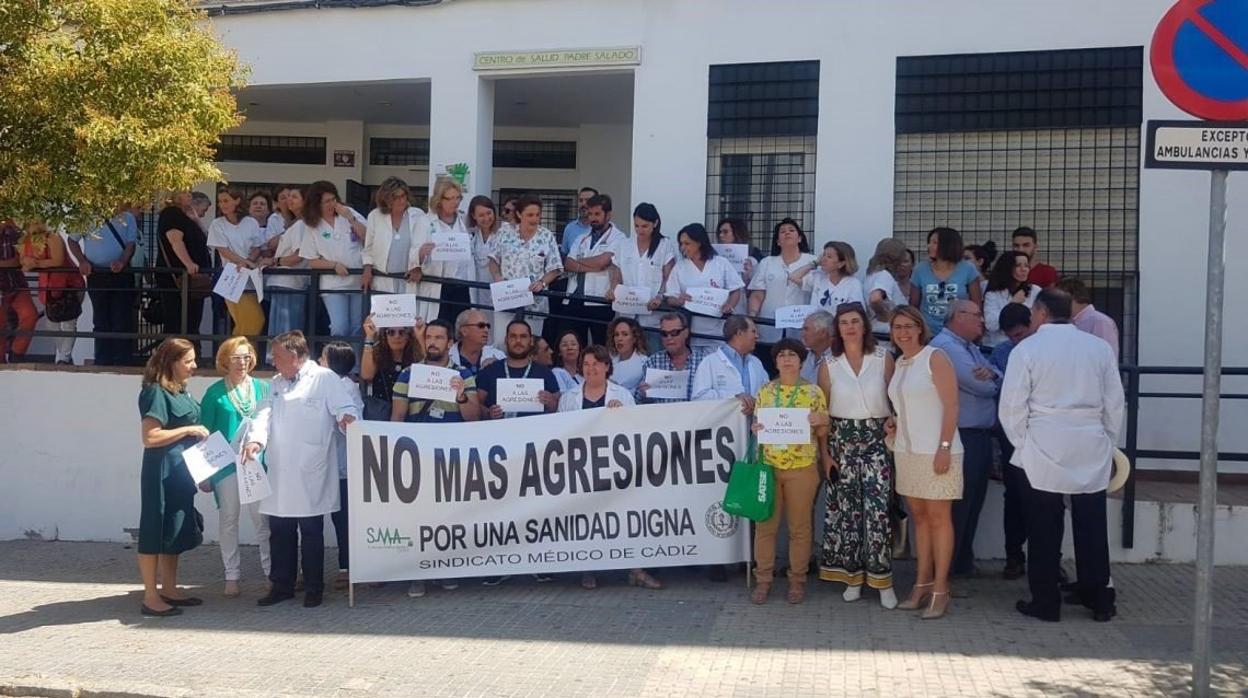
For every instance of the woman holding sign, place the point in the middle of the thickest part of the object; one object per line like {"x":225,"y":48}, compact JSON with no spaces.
{"x":797,"y":478}
{"x":777,"y":280}
{"x":228,"y":406}
{"x":646,"y":263}
{"x":699,"y":270}
{"x":444,"y":220}
{"x":527,"y":252}
{"x":595,"y":364}
{"x":333,"y":238}
{"x":237,"y":238}
{"x":857,"y":532}
{"x":928,"y":453}
{"x":485,"y":229}
{"x":168,"y":522}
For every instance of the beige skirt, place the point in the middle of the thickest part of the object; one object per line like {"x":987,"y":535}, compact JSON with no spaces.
{"x":915,"y":477}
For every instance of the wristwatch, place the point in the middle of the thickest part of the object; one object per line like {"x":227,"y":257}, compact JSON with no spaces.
{"x":945,"y":446}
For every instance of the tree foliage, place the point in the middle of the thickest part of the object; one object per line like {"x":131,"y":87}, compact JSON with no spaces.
{"x":107,"y":102}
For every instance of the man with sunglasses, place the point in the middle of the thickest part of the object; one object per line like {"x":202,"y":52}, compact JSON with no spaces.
{"x":472,"y":351}
{"x":676,"y":356}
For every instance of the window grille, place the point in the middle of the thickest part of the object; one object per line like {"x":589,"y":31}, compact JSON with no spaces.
{"x":550,"y":155}
{"x":398,"y":152}
{"x":291,"y":150}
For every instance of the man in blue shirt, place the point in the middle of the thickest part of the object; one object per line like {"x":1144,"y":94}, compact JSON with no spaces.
{"x":1015,"y":320}
{"x":979,"y":384}
{"x":104,"y":259}
{"x":580,"y":225}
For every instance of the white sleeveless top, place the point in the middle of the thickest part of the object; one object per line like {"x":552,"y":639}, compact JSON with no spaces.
{"x":919,"y":410}
{"x":861,"y":395}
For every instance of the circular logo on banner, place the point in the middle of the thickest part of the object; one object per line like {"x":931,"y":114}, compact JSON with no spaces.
{"x":1199,"y":58}
{"x":720,"y":523}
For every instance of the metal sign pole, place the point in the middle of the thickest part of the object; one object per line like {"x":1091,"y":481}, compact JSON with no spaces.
{"x":1202,"y":638}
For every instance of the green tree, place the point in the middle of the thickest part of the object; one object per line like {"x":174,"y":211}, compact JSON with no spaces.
{"x":105,"y":102}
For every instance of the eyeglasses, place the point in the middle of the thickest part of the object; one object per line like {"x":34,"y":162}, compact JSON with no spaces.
{"x":241,"y":357}
{"x":671,"y":333}
{"x":478,"y":325}
{"x":397,"y":332}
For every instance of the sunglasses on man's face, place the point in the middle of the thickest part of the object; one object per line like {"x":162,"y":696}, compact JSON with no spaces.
{"x":671,"y":333}
{"x":478,"y":325}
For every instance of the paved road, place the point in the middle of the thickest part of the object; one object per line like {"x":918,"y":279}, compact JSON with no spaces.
{"x":68,"y":620}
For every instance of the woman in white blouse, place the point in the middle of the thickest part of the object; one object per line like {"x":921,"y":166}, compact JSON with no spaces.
{"x":833,"y":282}
{"x":444,"y":218}
{"x":333,"y":238}
{"x":927,"y":453}
{"x":857,"y":533}
{"x":394,"y":242}
{"x":236,"y":237}
{"x":777,"y":280}
{"x":1006,"y":284}
{"x":527,"y":251}
{"x":567,"y":367}
{"x":485,"y":229}
{"x":883,"y":292}
{"x":702,"y":268}
{"x":287,"y":306}
{"x":645,"y":260}
{"x":597,"y":391}
{"x":628,"y":352}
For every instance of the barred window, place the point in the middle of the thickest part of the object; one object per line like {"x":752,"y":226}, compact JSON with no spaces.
{"x":762,"y":121}
{"x":549,"y":155}
{"x":1077,"y":185}
{"x":291,"y":150}
{"x":558,"y":205}
{"x":398,"y":152}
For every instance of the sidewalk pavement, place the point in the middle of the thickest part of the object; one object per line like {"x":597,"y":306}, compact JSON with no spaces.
{"x":69,"y":621}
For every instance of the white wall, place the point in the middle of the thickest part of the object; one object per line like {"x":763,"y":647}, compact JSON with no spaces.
{"x":857,"y":45}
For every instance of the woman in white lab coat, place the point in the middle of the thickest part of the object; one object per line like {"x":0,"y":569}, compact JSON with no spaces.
{"x":443,"y":218}
{"x":777,"y":280}
{"x":702,"y":267}
{"x":395,"y":241}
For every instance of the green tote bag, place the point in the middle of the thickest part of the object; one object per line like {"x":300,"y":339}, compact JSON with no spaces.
{"x":751,"y":489}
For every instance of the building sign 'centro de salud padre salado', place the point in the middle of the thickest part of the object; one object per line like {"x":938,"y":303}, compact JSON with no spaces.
{"x":560,"y":58}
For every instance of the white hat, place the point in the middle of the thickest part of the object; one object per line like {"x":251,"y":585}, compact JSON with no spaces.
{"x":1122,"y":469}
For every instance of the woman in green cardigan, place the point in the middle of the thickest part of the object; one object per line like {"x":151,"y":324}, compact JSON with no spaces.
{"x":227,"y":407}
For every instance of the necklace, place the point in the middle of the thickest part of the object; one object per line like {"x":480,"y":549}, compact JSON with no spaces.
{"x":243,"y":397}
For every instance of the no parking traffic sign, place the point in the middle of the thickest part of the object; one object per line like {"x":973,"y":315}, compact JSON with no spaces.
{"x":1199,"y":58}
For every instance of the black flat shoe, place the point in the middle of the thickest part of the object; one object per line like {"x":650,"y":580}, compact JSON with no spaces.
{"x":312,"y":599}
{"x":274,"y":597}
{"x":171,"y":611}
{"x":188,"y":601}
{"x":1029,"y":609}
{"x":1105,"y":616}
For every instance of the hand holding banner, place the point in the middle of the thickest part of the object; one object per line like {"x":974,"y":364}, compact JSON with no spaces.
{"x":520,"y":394}
{"x":632,"y":300}
{"x":394,"y":310}
{"x":707,"y":300}
{"x":667,"y":385}
{"x":783,"y":425}
{"x":793,"y":316}
{"x":431,"y":383}
{"x":232,"y":282}
{"x":511,"y":294}
{"x":451,"y":247}
{"x":204,"y":459}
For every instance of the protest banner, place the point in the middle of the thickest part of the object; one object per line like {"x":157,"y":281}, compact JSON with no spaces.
{"x":393,"y":310}
{"x":735,"y":254}
{"x":667,"y":385}
{"x":601,"y":489}
{"x":232,"y":282}
{"x":519,"y":394}
{"x":511,"y":294}
{"x":431,"y":382}
{"x":205,"y":458}
{"x":632,"y":300}
{"x":792,"y":316}
{"x":451,"y":247}
{"x":707,"y":300}
{"x":783,"y":425}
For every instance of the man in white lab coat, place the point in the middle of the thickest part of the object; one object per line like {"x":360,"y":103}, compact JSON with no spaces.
{"x":1062,"y":408}
{"x":294,"y":426}
{"x":732,"y":370}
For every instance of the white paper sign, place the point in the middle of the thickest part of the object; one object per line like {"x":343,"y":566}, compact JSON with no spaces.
{"x":632,"y":300}
{"x":431,"y":383}
{"x":394,"y":310}
{"x":204,"y":459}
{"x":667,"y":385}
{"x":520,"y":394}
{"x":707,"y":300}
{"x":783,"y":425}
{"x":511,"y":294}
{"x":232,"y":282}
{"x":736,"y":254}
{"x":451,"y":247}
{"x":792,"y":316}
{"x":253,"y":482}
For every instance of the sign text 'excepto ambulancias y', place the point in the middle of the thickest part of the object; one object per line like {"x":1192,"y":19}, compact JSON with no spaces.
{"x":1197,"y":145}
{"x":608,"y":488}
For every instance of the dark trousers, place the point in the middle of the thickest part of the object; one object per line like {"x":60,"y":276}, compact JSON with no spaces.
{"x":340,"y":526}
{"x":1017,"y":491}
{"x":591,"y":322}
{"x":290,"y":536}
{"x":1046,"y":525}
{"x":113,"y":310}
{"x":976,"y":462}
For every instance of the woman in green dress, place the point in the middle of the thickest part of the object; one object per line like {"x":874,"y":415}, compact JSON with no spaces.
{"x":168,"y":522}
{"x":228,"y":404}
